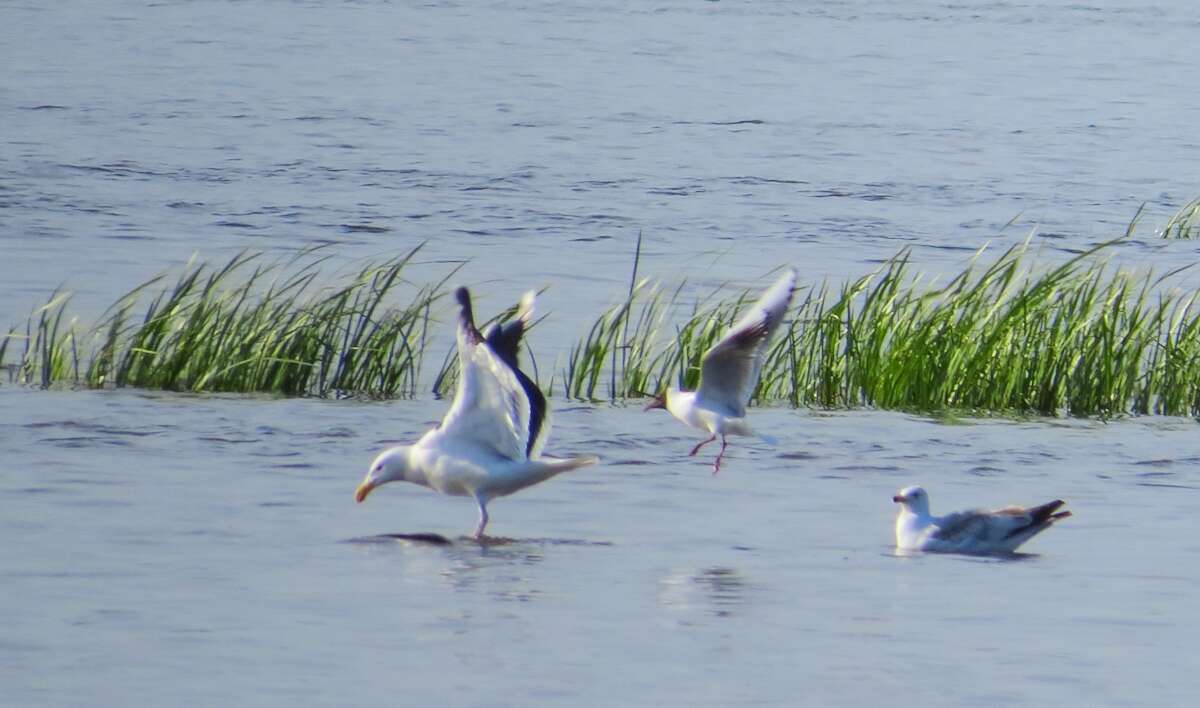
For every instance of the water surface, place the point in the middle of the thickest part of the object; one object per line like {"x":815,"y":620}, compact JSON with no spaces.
{"x":201,"y":550}
{"x":535,"y":140}
{"x":216,"y":556}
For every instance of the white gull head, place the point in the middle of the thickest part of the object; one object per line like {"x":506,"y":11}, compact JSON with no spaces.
{"x":914,"y":500}
{"x":391,"y":465}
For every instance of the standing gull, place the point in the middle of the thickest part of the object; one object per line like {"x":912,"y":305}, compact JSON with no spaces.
{"x":489,"y":444}
{"x":976,"y":531}
{"x":729,"y":371}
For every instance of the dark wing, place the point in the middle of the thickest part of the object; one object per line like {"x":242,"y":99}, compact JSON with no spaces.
{"x":491,"y":409}
{"x":505,"y":341}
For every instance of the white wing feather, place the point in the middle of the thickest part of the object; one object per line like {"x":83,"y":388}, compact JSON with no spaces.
{"x":730,"y":368}
{"x":490,"y":409}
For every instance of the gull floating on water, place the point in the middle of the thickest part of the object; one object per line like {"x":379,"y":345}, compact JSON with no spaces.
{"x":976,"y":531}
{"x":489,"y":444}
{"x":729,"y":371}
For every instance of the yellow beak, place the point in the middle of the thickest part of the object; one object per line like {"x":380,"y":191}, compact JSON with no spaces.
{"x":363,"y":490}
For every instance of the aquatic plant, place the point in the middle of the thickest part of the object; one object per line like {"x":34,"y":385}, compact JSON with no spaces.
{"x":1073,"y":339}
{"x":246,"y":326}
{"x":629,"y":347}
{"x":1002,"y":335}
{"x":1080,"y":338}
{"x":1185,"y":223}
{"x":50,"y":352}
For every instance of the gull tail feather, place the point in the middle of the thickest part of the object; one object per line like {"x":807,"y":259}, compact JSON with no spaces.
{"x":539,"y":470}
{"x":557,"y":465}
{"x":548,"y":467}
{"x":1043,"y":517}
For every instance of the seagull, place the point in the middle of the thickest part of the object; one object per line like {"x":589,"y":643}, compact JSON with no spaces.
{"x":729,"y":371}
{"x":489,"y":444}
{"x":976,"y":531}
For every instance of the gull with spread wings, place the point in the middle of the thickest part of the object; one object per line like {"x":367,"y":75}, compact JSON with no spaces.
{"x":729,"y":371}
{"x":489,"y":444}
{"x":976,"y":531}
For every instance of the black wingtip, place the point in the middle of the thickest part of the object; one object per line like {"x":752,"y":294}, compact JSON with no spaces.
{"x":463,"y":296}
{"x":467,"y":317}
{"x":505,"y":340}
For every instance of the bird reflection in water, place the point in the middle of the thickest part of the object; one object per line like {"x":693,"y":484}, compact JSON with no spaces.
{"x":503,"y":572}
{"x":719,"y":589}
{"x":497,"y":567}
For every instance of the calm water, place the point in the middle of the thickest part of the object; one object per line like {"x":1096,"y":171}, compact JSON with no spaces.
{"x":182,"y":550}
{"x":194,"y":550}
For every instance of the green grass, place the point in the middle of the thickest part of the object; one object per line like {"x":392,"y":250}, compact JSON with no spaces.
{"x":1185,"y":223}
{"x":1077,"y":339}
{"x":50,"y":352}
{"x":244,"y":326}
{"x":1003,"y":335}
{"x":1081,"y":338}
{"x":631,"y":351}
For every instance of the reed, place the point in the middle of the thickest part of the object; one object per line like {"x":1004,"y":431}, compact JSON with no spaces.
{"x":1078,"y":339}
{"x":246,"y":326}
{"x":1185,"y":223}
{"x":1001,"y":336}
{"x":50,"y":352}
{"x":630,"y":348}
{"x":619,"y":349}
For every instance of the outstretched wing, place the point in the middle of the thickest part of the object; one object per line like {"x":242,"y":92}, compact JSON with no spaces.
{"x":505,"y":341}
{"x":491,"y":409}
{"x":730,"y":368}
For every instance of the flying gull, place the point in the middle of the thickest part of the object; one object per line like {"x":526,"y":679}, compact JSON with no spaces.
{"x":729,"y":371}
{"x":489,"y":444}
{"x":976,"y":531}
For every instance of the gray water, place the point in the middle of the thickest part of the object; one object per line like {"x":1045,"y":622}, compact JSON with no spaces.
{"x":200,"y":550}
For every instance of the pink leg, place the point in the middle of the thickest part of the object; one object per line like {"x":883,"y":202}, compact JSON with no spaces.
{"x":702,"y":444}
{"x":483,"y":519}
{"x":717,"y":464}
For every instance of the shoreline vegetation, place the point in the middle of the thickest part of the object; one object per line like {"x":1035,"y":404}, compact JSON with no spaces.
{"x":1002,"y":336}
{"x":248,"y":326}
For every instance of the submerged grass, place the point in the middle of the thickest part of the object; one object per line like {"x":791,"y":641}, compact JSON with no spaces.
{"x":246,"y":326}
